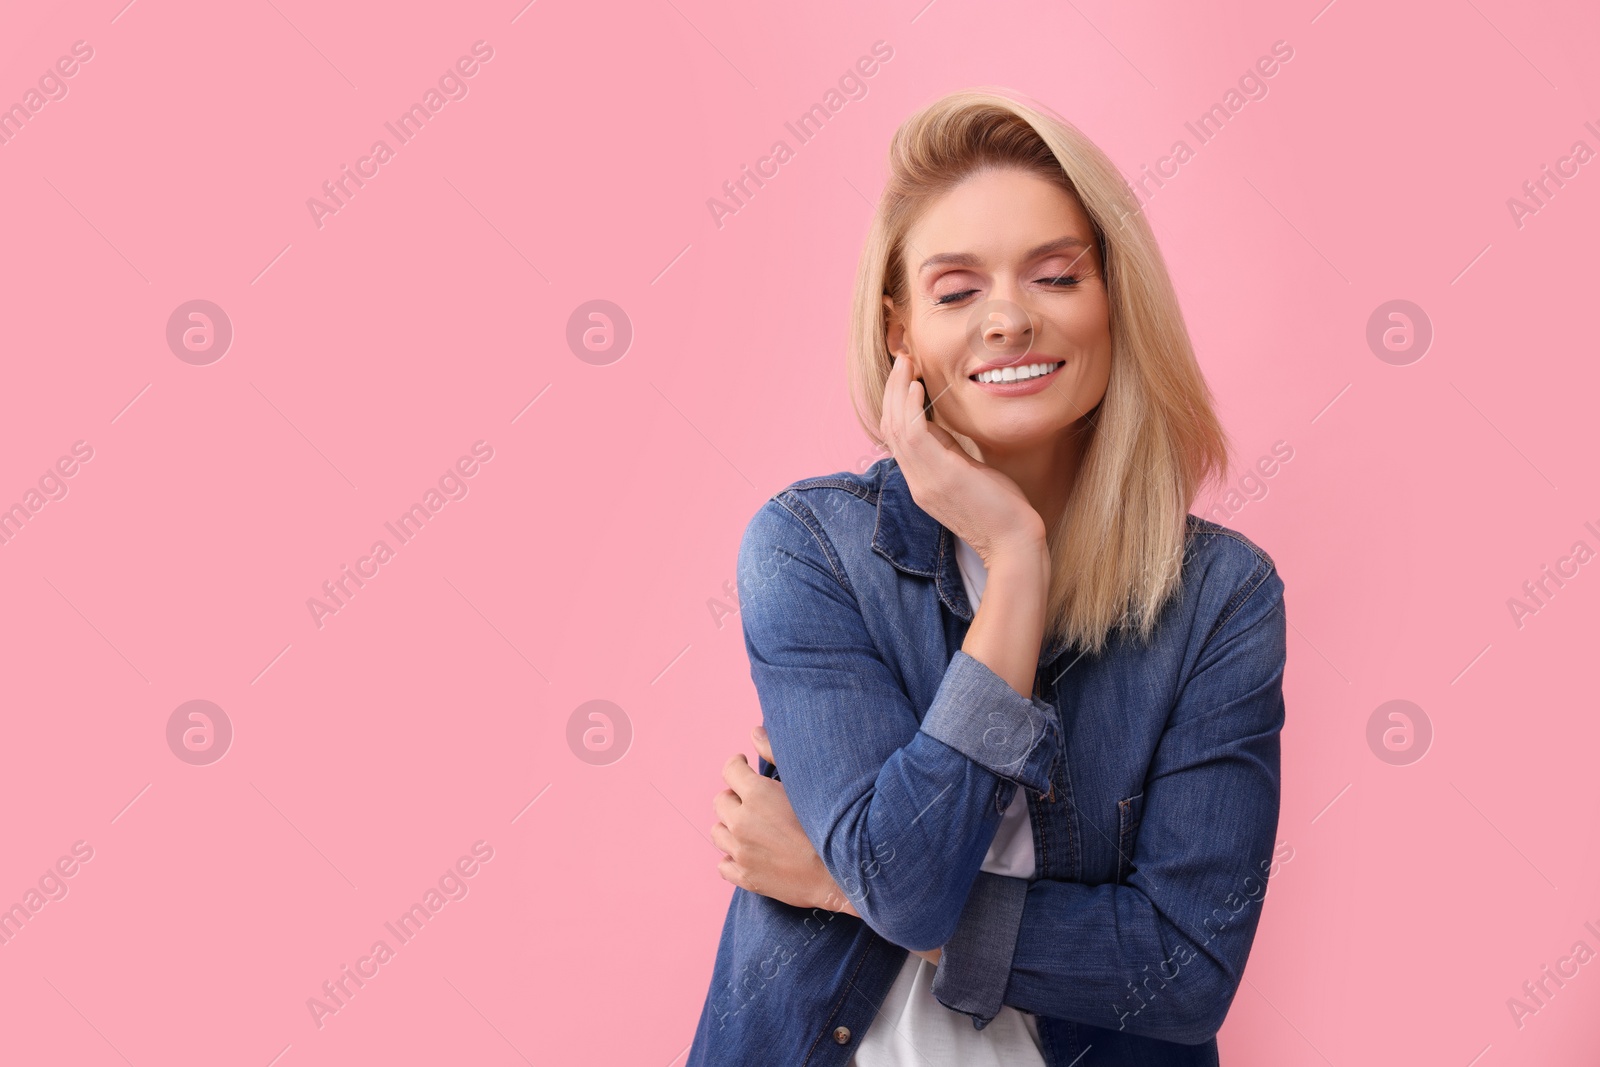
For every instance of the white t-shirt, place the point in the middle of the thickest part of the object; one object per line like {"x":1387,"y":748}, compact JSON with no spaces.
{"x":913,"y":1029}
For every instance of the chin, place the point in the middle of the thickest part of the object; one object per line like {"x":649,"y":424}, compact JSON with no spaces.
{"x":1014,"y":438}
{"x":1013,"y":434}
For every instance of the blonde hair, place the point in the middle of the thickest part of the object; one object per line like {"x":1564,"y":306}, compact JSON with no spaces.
{"x":1155,"y":439}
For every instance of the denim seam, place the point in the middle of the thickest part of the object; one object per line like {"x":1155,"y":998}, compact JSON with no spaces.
{"x":1074,"y":831}
{"x":1240,"y":597}
{"x":1124,"y":807}
{"x":1041,"y":820}
{"x":1042,"y":835}
{"x":809,"y":521}
{"x":843,"y":996}
{"x":829,"y":482}
{"x":951,"y":592}
{"x":1125,"y":839}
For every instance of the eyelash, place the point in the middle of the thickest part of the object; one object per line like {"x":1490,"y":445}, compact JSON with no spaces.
{"x":1070,"y":280}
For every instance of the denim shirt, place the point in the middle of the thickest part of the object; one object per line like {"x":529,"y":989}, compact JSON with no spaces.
{"x":1151,"y":772}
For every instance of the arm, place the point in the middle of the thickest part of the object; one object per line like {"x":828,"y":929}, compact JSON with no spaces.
{"x":834,"y":899}
{"x":901,"y":813}
{"x":806,"y":886}
{"x":1008,"y":630}
{"x":1162,"y":955}
{"x":929,"y":954}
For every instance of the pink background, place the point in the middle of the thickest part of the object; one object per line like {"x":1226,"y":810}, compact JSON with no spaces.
{"x":585,"y":560}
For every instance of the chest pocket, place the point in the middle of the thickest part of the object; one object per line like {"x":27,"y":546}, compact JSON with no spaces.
{"x":1128,"y":814}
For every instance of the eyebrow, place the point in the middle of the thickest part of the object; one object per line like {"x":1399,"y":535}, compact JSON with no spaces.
{"x":969,"y":259}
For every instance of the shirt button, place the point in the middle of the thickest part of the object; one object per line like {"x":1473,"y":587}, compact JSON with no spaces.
{"x":842,"y":1035}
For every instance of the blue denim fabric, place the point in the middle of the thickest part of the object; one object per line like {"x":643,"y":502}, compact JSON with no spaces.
{"x":1150,"y":771}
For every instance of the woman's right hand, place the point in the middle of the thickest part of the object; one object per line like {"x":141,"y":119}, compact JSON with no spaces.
{"x":977,"y":503}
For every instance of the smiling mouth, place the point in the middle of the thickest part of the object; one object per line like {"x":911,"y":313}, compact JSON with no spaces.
{"x":1020,"y":373}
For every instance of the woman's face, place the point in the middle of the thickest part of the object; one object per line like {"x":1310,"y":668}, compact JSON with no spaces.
{"x":1003,"y":276}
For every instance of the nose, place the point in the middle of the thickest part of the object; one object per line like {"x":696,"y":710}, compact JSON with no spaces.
{"x":1002,"y":331}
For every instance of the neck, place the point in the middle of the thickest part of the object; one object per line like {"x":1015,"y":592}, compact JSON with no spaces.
{"x":1045,"y":474}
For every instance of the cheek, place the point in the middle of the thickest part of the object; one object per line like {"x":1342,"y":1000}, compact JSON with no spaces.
{"x":1090,"y":334}
{"x":943,"y":361}
{"x":1099,"y":375}
{"x":1091,"y":351}
{"x":939,"y":378}
{"x":1089,"y":322}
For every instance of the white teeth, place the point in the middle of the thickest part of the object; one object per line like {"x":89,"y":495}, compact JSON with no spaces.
{"x":1015,"y":373}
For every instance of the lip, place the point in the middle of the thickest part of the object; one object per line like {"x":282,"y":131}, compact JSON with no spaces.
{"x":1022,"y":388}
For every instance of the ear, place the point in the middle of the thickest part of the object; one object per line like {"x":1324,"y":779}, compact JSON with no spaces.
{"x":894,"y":337}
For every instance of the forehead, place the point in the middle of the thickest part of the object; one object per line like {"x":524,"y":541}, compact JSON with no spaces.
{"x":995,"y":217}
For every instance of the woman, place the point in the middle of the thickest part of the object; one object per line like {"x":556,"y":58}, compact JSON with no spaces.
{"x":1025,"y":706}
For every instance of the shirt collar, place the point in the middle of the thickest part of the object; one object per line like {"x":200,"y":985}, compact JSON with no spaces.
{"x":905,"y":535}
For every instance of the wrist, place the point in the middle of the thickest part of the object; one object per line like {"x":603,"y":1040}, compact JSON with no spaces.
{"x":1008,"y":628}
{"x":827,"y":895}
{"x":1027,"y":548}
{"x":1022,"y":561}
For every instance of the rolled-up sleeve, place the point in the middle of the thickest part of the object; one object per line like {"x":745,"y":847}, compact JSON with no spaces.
{"x":975,"y":964}
{"x":901,"y":808}
{"x":1018,"y":738}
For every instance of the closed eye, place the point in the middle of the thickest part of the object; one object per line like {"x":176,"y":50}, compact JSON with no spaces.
{"x":1063,"y":281}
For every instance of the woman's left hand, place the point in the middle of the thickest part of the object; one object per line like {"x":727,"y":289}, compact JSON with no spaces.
{"x":767,"y":850}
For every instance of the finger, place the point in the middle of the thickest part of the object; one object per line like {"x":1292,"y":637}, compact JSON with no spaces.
{"x":914,"y":415}
{"x":917,"y":441}
{"x":723,"y":838}
{"x":763,"y":744}
{"x":898,"y":390}
{"x":916,"y":405}
{"x":908,"y":409}
{"x":730,"y":871}
{"x":738,"y":773}
{"x":726,"y":804}
{"x":893,"y":394}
